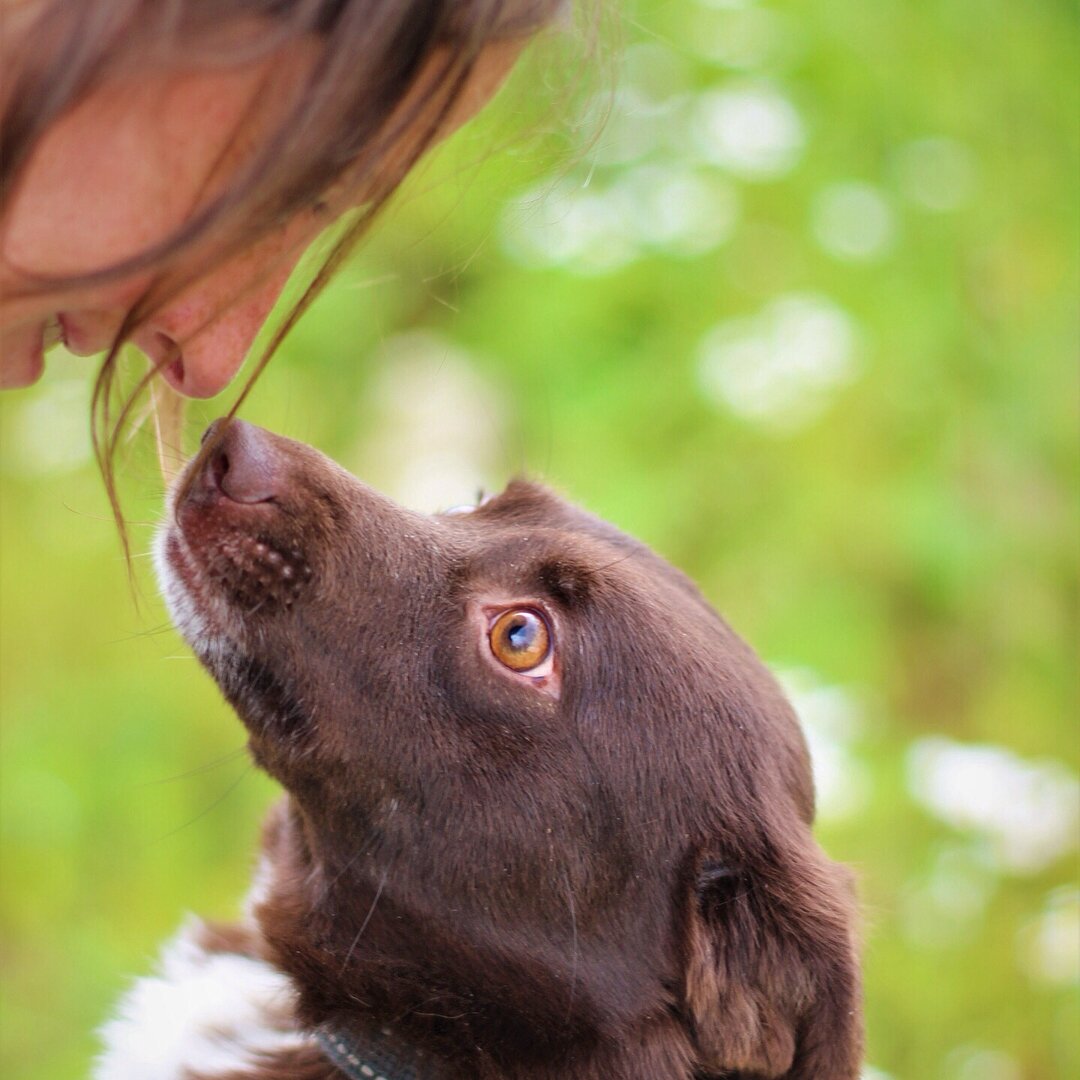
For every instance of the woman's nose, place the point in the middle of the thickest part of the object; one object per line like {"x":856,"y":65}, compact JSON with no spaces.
{"x":199,"y":348}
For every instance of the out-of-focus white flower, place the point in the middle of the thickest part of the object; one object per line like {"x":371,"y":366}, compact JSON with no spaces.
{"x":676,"y":209}
{"x":1029,"y":811}
{"x":981,"y":1063}
{"x":439,"y":424}
{"x":870,"y":1073}
{"x":831,"y":722}
{"x":783,"y":366}
{"x":48,"y":433}
{"x":753,"y":131}
{"x":591,"y":230}
{"x":853,"y":221}
{"x":1050,"y":944}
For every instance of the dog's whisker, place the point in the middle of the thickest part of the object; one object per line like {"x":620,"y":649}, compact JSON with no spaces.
{"x":207,"y":809}
{"x":364,"y":924}
{"x":352,"y":861}
{"x":152,"y":631}
{"x":232,"y":755}
{"x":612,"y":564}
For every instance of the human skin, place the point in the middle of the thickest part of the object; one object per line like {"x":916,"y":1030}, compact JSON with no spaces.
{"x":119,"y":174}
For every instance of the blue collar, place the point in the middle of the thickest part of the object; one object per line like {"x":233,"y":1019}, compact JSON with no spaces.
{"x":379,"y":1057}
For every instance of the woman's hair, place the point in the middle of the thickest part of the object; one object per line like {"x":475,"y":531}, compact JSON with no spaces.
{"x":356,"y":120}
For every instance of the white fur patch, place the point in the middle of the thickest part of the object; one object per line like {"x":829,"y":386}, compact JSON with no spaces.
{"x":201,"y":615}
{"x":259,"y":892}
{"x":204,"y":1012}
{"x":183,"y":612}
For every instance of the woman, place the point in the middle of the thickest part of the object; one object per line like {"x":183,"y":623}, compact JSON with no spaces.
{"x":164,"y":163}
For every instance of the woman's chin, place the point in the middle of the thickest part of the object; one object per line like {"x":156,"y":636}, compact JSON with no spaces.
{"x":22,"y":356}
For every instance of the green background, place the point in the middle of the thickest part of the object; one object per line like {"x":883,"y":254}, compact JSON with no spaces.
{"x":802,"y":315}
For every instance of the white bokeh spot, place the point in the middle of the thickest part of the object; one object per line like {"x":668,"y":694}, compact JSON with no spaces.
{"x":853,"y":221}
{"x":753,"y":131}
{"x":832,"y":723}
{"x":982,"y":1063}
{"x":1029,"y":812}
{"x":783,"y":366}
{"x":591,"y":230}
{"x":49,"y":433}
{"x":1050,"y":944}
{"x":440,"y":423}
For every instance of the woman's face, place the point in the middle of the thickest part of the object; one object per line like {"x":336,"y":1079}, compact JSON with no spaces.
{"x":122,"y":172}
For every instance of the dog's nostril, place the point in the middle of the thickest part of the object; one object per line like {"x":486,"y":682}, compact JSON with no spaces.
{"x":219,"y":466}
{"x":244,"y":464}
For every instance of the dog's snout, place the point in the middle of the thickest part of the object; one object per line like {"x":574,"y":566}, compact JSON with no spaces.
{"x":243,"y":463}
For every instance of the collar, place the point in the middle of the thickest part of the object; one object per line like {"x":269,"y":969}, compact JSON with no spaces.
{"x":378,"y":1057}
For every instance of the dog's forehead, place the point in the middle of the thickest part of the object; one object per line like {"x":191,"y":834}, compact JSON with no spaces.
{"x":528,"y":504}
{"x":531,"y":530}
{"x":529,"y":525}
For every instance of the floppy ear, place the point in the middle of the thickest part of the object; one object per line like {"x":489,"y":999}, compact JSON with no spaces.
{"x":772,"y":979}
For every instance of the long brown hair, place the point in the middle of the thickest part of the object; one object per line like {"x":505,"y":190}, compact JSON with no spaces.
{"x":356,"y":120}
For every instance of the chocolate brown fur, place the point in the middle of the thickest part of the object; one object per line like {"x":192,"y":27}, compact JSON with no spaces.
{"x":616,"y":880}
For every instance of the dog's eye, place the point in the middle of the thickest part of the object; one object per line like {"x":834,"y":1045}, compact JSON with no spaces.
{"x":520,"y":639}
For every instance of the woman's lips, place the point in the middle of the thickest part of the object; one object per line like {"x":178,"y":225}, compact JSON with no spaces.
{"x":86,"y":333}
{"x":53,"y":332}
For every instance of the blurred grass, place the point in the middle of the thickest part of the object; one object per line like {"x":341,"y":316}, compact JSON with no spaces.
{"x":902,"y":537}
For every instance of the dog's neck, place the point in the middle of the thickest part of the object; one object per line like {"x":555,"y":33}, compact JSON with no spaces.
{"x":394,"y":964}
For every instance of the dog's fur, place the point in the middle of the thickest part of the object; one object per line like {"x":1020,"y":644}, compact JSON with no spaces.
{"x":602,"y":873}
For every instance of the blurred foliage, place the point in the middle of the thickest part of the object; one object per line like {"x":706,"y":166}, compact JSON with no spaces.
{"x":803,"y":317}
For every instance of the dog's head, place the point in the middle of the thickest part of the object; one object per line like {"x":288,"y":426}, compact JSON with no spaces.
{"x":547,"y":810}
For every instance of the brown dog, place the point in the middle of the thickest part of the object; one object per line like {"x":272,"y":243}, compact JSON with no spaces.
{"x":547,"y":815}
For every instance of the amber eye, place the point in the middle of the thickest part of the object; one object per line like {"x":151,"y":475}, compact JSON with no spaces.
{"x":520,"y":640}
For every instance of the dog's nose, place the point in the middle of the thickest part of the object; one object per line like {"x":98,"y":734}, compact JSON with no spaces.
{"x":243,"y":463}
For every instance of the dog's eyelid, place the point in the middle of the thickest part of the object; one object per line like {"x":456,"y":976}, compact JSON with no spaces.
{"x":718,"y":885}
{"x":716,"y":872}
{"x":493,"y":611}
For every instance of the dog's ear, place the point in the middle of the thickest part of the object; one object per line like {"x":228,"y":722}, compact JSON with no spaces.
{"x":771,"y":978}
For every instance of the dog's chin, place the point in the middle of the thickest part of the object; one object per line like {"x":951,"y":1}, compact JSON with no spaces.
{"x":200,"y":614}
{"x":218,"y":630}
